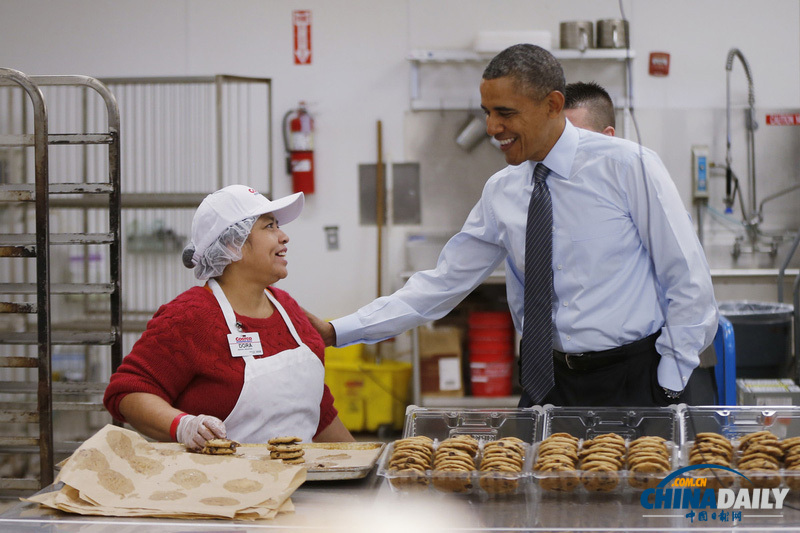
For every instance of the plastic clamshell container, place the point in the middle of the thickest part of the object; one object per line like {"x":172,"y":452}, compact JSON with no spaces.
{"x":484,"y":425}
{"x":491,"y":483}
{"x":733,"y":423}
{"x":588,"y":423}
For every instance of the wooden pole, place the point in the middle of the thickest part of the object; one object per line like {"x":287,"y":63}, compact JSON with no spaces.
{"x":379,"y":187}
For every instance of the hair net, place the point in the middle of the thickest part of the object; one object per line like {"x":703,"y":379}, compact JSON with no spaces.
{"x":222,"y":252}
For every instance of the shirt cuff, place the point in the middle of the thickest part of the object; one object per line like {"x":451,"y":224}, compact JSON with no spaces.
{"x":347,"y":330}
{"x":674,"y":374}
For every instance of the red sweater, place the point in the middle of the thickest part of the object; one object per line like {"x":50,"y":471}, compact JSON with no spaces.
{"x":184,"y":358}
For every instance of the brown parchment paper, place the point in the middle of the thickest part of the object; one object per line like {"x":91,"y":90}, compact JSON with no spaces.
{"x":118,"y":473}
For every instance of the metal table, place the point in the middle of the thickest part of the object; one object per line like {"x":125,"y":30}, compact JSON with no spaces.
{"x":370,"y":504}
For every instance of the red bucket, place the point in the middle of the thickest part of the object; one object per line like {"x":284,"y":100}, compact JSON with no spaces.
{"x":497,"y":348}
{"x":489,"y":319}
{"x":490,"y":376}
{"x":505,"y":334}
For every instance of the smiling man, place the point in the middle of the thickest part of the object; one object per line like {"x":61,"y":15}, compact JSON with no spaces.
{"x":619,"y":302}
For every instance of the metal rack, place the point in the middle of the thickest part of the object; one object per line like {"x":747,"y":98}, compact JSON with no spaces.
{"x":29,"y":331}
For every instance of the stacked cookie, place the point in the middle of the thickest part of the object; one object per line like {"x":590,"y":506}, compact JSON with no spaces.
{"x":287,"y":449}
{"x":557,"y":462}
{"x":760,"y":459}
{"x":791,"y":461}
{"x":648,"y":462}
{"x":714,"y":449}
{"x":410,"y":459}
{"x":501,"y":464}
{"x":454,"y":457}
{"x":601,"y":459}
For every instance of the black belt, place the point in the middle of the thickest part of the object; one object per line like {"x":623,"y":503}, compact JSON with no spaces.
{"x":594,"y":360}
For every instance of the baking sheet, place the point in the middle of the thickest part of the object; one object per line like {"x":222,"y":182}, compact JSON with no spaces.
{"x":330,"y":461}
{"x":325,"y":461}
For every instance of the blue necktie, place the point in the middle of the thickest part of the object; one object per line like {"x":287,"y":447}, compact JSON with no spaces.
{"x":536,"y":348}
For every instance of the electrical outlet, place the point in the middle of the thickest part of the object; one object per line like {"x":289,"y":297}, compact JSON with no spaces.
{"x":332,"y":237}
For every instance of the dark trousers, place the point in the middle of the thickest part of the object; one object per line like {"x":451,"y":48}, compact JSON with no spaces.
{"x":630,"y":382}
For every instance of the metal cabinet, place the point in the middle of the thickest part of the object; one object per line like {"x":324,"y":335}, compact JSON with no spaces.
{"x":30,"y":326}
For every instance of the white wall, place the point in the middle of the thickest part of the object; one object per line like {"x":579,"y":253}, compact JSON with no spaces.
{"x":360,"y":75}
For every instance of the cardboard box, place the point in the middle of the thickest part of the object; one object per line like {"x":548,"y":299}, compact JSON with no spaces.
{"x":440,"y":357}
{"x":767,"y":392}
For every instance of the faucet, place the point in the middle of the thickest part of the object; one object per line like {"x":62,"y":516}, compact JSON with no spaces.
{"x":752,"y":215}
{"x":750,"y":125}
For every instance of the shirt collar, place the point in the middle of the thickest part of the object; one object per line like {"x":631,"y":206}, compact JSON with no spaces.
{"x":559,"y":159}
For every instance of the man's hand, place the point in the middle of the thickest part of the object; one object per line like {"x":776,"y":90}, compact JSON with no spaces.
{"x":324,"y":328}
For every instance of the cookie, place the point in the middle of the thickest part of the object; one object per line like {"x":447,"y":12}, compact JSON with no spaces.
{"x":648,"y":462}
{"x":600,"y":462}
{"x":284,"y":440}
{"x":452,"y":483}
{"x":595,"y":456}
{"x":756,"y":437}
{"x":286,"y":455}
{"x":220,"y":447}
{"x":411,"y":454}
{"x":494,"y":483}
{"x":759,"y":447}
{"x":714,"y":438}
{"x":715,"y":479}
{"x":600,"y":480}
{"x":638,"y":458}
{"x":789,"y":443}
{"x":409,"y":481}
{"x":284,"y":447}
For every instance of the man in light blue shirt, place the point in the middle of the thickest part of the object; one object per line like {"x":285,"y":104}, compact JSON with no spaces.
{"x":633,"y":304}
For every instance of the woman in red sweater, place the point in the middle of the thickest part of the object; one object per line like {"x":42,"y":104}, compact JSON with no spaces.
{"x":235,"y":358}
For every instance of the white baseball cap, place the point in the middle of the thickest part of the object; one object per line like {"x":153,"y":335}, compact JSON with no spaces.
{"x":234,"y":203}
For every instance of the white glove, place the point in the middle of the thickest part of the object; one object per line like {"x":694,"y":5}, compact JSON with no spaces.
{"x":194,"y":431}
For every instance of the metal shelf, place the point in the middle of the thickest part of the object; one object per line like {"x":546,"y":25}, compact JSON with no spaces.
{"x":29,"y":239}
{"x":58,"y":288}
{"x":59,"y":387}
{"x":418,"y":58}
{"x":469,"y":56}
{"x":61,"y":338}
{"x":25,"y":192}
{"x":55,"y":138}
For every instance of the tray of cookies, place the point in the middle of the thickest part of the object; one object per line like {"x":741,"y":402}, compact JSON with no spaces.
{"x":600,"y":450}
{"x":462,"y":451}
{"x":760,"y":444}
{"x":461,"y":464}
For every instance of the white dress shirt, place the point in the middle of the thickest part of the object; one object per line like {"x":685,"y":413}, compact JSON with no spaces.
{"x":626,"y":260}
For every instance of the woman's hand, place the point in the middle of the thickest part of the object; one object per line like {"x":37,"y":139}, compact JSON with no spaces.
{"x":325,"y":329}
{"x":194,"y":431}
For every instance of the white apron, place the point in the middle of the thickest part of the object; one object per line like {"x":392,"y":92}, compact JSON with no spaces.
{"x":281,"y":393}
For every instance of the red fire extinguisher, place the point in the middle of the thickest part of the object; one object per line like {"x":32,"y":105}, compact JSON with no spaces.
{"x":298,"y":138}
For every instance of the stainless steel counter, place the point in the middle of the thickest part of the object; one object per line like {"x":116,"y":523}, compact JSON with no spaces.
{"x":369,"y":504}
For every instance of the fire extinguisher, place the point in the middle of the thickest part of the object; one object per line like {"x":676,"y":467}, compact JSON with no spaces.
{"x":298,"y":138}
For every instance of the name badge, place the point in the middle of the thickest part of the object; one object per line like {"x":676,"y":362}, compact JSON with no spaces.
{"x":244,"y":344}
